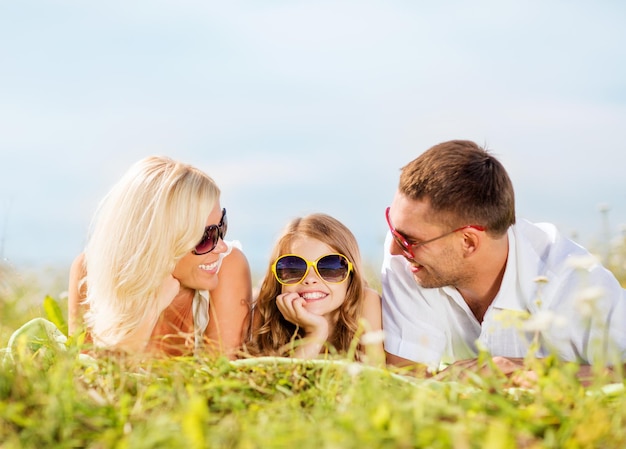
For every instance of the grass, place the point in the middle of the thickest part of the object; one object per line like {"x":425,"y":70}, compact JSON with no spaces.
{"x":277,"y":403}
{"x":55,"y":398}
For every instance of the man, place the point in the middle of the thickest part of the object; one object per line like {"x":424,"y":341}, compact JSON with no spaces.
{"x":459,"y":271}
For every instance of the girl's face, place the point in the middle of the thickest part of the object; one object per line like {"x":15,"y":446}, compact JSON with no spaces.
{"x":199,"y":272}
{"x":322,"y":298}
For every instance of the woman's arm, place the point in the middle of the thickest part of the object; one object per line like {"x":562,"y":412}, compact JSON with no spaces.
{"x":229,"y":307}
{"x":76,"y":295}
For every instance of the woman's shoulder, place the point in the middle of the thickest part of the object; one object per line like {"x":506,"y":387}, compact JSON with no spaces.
{"x":235,"y":259}
{"x":78,"y":272}
{"x":234,"y":276}
{"x":78,"y":264}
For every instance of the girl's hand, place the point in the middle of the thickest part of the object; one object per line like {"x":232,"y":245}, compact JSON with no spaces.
{"x":292,"y":306}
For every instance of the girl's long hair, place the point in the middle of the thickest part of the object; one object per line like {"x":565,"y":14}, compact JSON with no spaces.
{"x":148,"y":221}
{"x":271,"y":332}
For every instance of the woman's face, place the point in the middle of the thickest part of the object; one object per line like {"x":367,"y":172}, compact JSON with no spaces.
{"x":199,"y":272}
{"x":322,"y":298}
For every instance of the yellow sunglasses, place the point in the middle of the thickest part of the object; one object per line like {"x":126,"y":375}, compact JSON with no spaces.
{"x":291,"y":269}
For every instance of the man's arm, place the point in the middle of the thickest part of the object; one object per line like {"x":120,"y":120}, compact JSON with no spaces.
{"x":520,"y":374}
{"x":414,"y":368}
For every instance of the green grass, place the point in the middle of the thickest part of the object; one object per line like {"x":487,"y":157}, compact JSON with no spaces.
{"x":54,"y":398}
{"x":277,"y":403}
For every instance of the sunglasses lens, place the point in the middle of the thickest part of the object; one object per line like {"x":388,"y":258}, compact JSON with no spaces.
{"x":211,"y":236}
{"x":333,"y":268}
{"x":223,"y":224}
{"x":400,"y":242}
{"x":290,"y":269}
{"x":209,"y":240}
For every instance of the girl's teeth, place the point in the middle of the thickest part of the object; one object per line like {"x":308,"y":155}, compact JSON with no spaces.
{"x":313,"y":295}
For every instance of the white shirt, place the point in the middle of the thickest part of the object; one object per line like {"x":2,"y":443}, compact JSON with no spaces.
{"x":577,"y":312}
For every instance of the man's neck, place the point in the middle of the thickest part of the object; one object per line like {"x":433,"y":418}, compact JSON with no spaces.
{"x":489,"y":271}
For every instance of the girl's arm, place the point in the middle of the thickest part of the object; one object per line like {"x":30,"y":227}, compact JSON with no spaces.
{"x":311,"y":345}
{"x":229,"y":307}
{"x":372,"y":310}
{"x":372,"y":339}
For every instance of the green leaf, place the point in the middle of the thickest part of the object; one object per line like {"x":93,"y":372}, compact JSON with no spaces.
{"x":54,"y":314}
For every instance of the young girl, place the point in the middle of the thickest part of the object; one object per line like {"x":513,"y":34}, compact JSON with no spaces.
{"x":313,"y":296}
{"x":156,"y":275}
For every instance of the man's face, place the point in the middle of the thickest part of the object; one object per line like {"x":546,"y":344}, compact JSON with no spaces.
{"x":434,"y":251}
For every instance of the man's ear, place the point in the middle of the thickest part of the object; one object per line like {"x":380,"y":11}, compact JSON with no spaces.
{"x":471,"y":241}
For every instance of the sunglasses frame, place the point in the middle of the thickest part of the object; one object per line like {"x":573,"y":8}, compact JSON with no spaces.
{"x":221,"y":228}
{"x":408,"y":248}
{"x":313,"y":264}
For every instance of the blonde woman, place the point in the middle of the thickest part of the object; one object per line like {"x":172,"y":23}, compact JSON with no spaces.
{"x":314,"y":296}
{"x":156,"y":275}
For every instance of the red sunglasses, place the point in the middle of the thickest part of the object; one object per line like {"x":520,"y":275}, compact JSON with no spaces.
{"x":408,"y":248}
{"x":212,"y":235}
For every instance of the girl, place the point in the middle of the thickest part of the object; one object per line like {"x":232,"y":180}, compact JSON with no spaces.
{"x":313,"y":295}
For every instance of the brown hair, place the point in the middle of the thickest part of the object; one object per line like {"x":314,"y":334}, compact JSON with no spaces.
{"x":272,"y":333}
{"x":464,"y":184}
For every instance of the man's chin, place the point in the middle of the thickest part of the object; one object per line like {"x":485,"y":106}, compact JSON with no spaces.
{"x":427,"y":283}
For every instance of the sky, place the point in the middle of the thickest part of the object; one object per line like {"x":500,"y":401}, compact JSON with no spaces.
{"x":305,"y":106}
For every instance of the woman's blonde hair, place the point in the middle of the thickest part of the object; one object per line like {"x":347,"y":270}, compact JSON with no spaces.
{"x":272,"y":332}
{"x":153,"y":216}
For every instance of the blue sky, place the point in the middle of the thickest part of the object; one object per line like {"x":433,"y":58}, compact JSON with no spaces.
{"x":296,"y":106}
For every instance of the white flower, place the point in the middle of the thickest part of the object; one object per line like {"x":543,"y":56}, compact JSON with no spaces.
{"x":511,"y":318}
{"x":354,"y":369}
{"x":582,"y":262}
{"x":373,"y":337}
{"x":543,"y":321}
{"x":586,"y":299}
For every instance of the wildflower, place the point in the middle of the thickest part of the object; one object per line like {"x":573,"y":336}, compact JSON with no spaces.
{"x":373,"y":337}
{"x":582,"y":262}
{"x":541,"y":281}
{"x":511,"y":318}
{"x":543,"y":320}
{"x":354,"y":369}
{"x":586,"y":299}
{"x":481,"y":346}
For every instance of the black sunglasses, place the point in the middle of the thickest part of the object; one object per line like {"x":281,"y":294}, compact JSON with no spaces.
{"x":212,"y":235}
